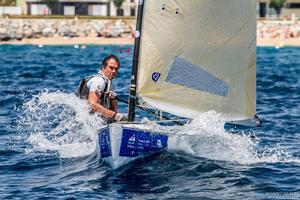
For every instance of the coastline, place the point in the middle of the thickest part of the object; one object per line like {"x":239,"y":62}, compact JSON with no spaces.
{"x":72,"y":41}
{"x":268,"y":42}
{"x":278,"y":42}
{"x":274,"y":33}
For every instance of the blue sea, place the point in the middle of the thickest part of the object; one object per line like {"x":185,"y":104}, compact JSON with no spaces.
{"x":48,"y":145}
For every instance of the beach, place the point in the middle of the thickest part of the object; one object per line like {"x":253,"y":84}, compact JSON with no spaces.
{"x":72,"y":41}
{"x":276,"y":42}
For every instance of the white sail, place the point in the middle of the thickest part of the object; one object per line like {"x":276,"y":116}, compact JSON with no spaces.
{"x":199,"y":55}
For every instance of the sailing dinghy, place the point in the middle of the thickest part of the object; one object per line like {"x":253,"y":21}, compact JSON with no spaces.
{"x":190,"y":57}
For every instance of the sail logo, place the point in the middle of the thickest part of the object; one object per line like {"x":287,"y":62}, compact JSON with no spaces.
{"x":155,"y":76}
{"x":132,"y":139}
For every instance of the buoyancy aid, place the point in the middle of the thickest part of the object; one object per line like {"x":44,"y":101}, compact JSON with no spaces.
{"x":83,"y":90}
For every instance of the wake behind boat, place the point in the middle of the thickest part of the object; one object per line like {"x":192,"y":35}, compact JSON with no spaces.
{"x":190,"y":57}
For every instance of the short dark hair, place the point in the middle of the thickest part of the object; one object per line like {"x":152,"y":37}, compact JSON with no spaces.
{"x":107,"y":58}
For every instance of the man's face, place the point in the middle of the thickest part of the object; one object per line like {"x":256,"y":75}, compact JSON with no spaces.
{"x":111,"y":69}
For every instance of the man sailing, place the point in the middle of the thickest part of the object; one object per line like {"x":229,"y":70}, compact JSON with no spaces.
{"x":97,"y":90}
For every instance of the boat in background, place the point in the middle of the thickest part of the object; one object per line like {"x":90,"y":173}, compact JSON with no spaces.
{"x":190,"y":57}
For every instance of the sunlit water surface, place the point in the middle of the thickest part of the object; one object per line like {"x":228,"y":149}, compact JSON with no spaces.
{"x":48,"y":139}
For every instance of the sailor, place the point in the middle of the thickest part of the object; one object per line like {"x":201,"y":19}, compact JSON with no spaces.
{"x":97,"y":90}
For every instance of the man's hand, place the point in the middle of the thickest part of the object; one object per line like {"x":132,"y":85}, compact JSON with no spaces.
{"x":119,"y":117}
{"x":112,"y":94}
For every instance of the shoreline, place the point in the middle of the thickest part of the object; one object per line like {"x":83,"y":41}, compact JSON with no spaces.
{"x":72,"y":41}
{"x":119,"y":32}
{"x":278,"y":42}
{"x":264,"y":42}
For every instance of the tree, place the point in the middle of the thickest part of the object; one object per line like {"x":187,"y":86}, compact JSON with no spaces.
{"x":50,"y":3}
{"x":118,"y":4}
{"x":7,"y":2}
{"x":277,"y":5}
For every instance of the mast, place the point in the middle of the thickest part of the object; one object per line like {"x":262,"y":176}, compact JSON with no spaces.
{"x":135,"y":62}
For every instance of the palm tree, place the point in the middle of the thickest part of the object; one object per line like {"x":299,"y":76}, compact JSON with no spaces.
{"x":118,"y":4}
{"x":277,"y":5}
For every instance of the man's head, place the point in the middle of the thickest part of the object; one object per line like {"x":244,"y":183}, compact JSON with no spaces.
{"x":110,"y":66}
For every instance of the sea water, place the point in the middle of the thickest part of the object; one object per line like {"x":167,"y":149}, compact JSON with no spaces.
{"x":48,"y":139}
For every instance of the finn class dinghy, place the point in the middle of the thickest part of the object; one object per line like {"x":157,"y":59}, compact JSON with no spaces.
{"x":190,"y":57}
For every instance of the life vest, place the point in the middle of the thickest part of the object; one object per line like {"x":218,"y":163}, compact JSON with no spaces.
{"x":83,"y":90}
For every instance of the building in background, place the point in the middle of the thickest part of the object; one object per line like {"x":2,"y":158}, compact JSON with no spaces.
{"x":70,"y":7}
{"x":290,"y":10}
{"x":128,"y":8}
{"x":10,"y":7}
{"x":82,"y":7}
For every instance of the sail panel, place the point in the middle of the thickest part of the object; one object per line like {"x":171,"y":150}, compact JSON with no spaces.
{"x":188,"y":75}
{"x":213,"y":44}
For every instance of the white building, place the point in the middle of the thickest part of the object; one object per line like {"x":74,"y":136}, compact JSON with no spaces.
{"x":10,"y":7}
{"x":69,"y":7}
{"x":129,"y":8}
{"x":82,"y":7}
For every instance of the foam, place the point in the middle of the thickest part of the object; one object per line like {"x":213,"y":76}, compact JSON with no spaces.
{"x":206,"y":137}
{"x":60,"y":123}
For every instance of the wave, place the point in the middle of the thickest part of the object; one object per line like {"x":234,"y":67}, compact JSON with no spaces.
{"x":206,"y":137}
{"x":60,"y":123}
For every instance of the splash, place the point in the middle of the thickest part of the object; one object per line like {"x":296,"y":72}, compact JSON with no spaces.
{"x":206,"y":137}
{"x":60,"y":123}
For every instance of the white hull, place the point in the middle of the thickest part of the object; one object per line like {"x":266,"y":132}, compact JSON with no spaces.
{"x":119,"y":144}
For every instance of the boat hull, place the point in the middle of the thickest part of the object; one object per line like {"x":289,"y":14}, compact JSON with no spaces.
{"x":119,"y":144}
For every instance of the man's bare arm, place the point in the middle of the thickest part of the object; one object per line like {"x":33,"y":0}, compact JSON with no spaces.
{"x":93,"y":100}
{"x":114,"y":105}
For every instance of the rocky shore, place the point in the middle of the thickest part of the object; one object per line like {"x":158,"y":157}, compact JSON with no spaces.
{"x":20,"y":29}
{"x":95,"y":31}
